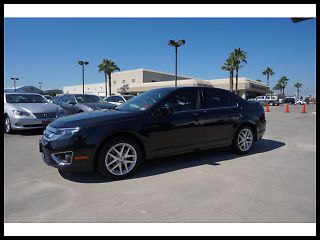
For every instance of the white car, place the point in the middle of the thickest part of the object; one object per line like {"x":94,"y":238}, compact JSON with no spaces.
{"x":118,"y":99}
{"x":300,"y":102}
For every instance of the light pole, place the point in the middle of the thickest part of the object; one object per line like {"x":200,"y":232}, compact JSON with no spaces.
{"x":40,"y":84}
{"x":14,"y":79}
{"x":82,"y":63}
{"x":176,"y":44}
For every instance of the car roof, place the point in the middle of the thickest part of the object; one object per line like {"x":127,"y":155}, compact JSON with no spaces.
{"x":19,"y":93}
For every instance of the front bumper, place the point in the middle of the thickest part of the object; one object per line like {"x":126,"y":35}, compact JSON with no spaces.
{"x":51,"y":149}
{"x":19,"y":123}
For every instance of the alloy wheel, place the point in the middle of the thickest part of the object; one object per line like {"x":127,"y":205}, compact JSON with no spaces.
{"x":7,"y":125}
{"x":121,"y":159}
{"x":245,"y":139}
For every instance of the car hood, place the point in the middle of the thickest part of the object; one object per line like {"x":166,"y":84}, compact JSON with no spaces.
{"x":91,"y":118}
{"x":36,"y":107}
{"x":101,"y":105}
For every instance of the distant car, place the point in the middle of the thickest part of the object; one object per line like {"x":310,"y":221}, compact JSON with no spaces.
{"x":271,"y":100}
{"x":55,"y":99}
{"x":77,"y":103}
{"x":28,"y":111}
{"x":300,"y":102}
{"x":291,"y":100}
{"x":118,"y":99}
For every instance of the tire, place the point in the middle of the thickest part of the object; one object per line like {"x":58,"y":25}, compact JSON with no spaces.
{"x":111,"y":166}
{"x":7,"y":125}
{"x":271,"y":103}
{"x":236,"y":143}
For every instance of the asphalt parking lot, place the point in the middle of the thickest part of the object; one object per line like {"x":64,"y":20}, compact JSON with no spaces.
{"x":274,"y":183}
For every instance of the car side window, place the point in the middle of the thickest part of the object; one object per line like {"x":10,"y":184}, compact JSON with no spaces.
{"x":184,"y":100}
{"x":111,"y":99}
{"x":217,"y":99}
{"x":118,"y":99}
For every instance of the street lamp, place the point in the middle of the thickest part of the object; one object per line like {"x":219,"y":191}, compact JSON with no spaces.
{"x":176,"y":44}
{"x":82,"y":63}
{"x":40,"y":84}
{"x":14,"y":79}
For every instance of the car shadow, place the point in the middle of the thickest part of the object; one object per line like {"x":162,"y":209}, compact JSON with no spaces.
{"x":30,"y":132}
{"x":152,"y":167}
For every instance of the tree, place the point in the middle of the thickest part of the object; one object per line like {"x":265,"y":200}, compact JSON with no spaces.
{"x":298,"y":86}
{"x":283,"y":81}
{"x":277,"y":87}
{"x":229,"y":66}
{"x":239,"y":57}
{"x":107,"y":66}
{"x":268,"y":72}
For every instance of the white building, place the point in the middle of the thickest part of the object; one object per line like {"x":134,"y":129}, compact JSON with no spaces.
{"x":141,"y":80}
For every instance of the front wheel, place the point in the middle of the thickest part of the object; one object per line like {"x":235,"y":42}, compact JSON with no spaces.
{"x":119,"y":158}
{"x":271,"y":103}
{"x":243,"y":140}
{"x":7,"y":125}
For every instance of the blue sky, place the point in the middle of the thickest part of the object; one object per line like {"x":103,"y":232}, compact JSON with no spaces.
{"x":47,"y":50}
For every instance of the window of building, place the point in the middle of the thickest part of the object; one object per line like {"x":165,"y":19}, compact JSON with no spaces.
{"x":123,"y":81}
{"x":133,"y":80}
{"x":114,"y":82}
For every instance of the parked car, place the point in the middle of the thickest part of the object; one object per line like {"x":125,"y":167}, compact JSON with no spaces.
{"x":28,"y":111}
{"x":55,"y":99}
{"x":300,"y":102}
{"x":157,"y":123}
{"x":118,"y":99}
{"x":271,"y":100}
{"x":291,"y":100}
{"x":77,"y":103}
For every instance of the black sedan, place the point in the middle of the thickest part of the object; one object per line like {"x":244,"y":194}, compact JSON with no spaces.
{"x":157,"y":123}
{"x":77,"y":103}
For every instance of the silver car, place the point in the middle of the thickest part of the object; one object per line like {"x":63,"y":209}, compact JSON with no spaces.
{"x":28,"y":111}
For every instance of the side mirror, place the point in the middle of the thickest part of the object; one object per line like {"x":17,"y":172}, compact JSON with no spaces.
{"x":121,"y":101}
{"x":164,"y":111}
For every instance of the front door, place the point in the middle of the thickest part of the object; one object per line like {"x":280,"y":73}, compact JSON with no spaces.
{"x":180,"y":130}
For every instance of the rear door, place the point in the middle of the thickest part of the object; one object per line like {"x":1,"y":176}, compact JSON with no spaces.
{"x":221,"y":114}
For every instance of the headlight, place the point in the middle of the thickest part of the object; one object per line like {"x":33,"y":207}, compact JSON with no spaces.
{"x":65,"y":132}
{"x":21,"y":113}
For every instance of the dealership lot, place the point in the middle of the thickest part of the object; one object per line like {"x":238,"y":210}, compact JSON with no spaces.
{"x":274,"y":183}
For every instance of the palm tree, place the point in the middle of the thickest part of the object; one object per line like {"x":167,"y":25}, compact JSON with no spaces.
{"x":268,"y":72}
{"x":298,"y":86}
{"x":229,"y":66}
{"x":283,"y":83}
{"x":277,"y":87}
{"x":107,"y":66}
{"x":239,"y":57}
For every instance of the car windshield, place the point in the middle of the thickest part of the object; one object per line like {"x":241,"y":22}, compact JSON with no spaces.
{"x":88,"y":99}
{"x":127,"y":97}
{"x":25,"y":98}
{"x":143,"y":101}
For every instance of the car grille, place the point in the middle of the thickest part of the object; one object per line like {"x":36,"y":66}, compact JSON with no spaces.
{"x":45,"y":115}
